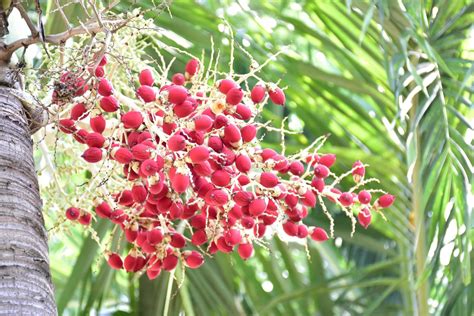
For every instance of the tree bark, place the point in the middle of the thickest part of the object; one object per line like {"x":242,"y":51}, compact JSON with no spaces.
{"x":25,"y":280}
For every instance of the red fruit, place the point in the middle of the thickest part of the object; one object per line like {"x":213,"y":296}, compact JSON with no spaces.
{"x":217,"y":197}
{"x":146,"y":93}
{"x":267,"y":153}
{"x":268,"y":179}
{"x":232,"y":237}
{"x":318,"y":184}
{"x":85,"y":219}
{"x":109,"y":104}
{"x":122,"y":155}
{"x":132,"y":119}
{"x":154,"y":236}
{"x":125,"y":198}
{"x":226,"y":84}
{"x":364,"y":217}
{"x":358,"y":171}
{"x":177,"y":94}
{"x":243,"y":198}
{"x":220,"y":178}
{"x":78,"y":111}
{"x":248,"y":133}
{"x":149,"y":167}
{"x":346,"y":199}
{"x":180,"y":182}
{"x":146,"y":77}
{"x":98,"y":124}
{"x":215,"y":142}
{"x":192,"y":67}
{"x":302,"y":231}
{"x":95,"y":140}
{"x":321,"y":171}
{"x":139,"y":193}
{"x":73,"y":213}
{"x":364,"y":197}
{"x":243,"y":112}
{"x":130,"y":262}
{"x":105,"y":88}
{"x":176,"y":143}
{"x":199,"y":237}
{"x":203,"y":123}
{"x":257,"y":207}
{"x":103,"y":61}
{"x":223,"y":246}
{"x":178,"y":79}
{"x":114,"y":261}
{"x":141,"y":152}
{"x":184,"y":109}
{"x":170,"y":262}
{"x":177,"y":240}
{"x":199,"y":154}
{"x":309,"y":199}
{"x":258,"y":93}
{"x":92,"y":155}
{"x":328,"y":160}
{"x":234,"y":96}
{"x":277,"y":96}
{"x":80,"y":136}
{"x":67,"y":126}
{"x":243,"y":163}
{"x":385,"y":200}
{"x":153,"y":274}
{"x":296,"y":168}
{"x":290,"y":228}
{"x":193,"y":259}
{"x":245,"y":250}
{"x":103,"y":210}
{"x":118,"y":216}
{"x":232,"y":134}
{"x":99,"y":72}
{"x":319,"y":234}
{"x":247,"y":222}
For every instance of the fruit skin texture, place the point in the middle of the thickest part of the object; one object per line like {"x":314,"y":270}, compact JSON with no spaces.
{"x":258,"y":93}
{"x":364,"y":217}
{"x":193,"y":259}
{"x":364,"y":197}
{"x":234,"y":96}
{"x":277,"y":96}
{"x":268,"y":179}
{"x":115,"y":262}
{"x":177,"y":94}
{"x":147,"y":93}
{"x":192,"y":67}
{"x":73,"y":213}
{"x":92,"y":155}
{"x":109,"y":104}
{"x":199,"y":154}
{"x":105,"y":88}
{"x":98,"y":124}
{"x":245,"y":250}
{"x":132,"y":119}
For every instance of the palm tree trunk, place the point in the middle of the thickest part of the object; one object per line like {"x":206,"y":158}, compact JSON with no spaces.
{"x":25,"y":280}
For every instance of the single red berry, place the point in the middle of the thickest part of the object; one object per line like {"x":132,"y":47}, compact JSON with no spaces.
{"x":85,"y":219}
{"x":132,"y":119}
{"x":95,"y":140}
{"x":193,"y":259}
{"x":147,"y":94}
{"x":296,"y":168}
{"x":220,"y":178}
{"x":217,"y":197}
{"x":318,"y":184}
{"x":232,"y":237}
{"x":243,"y":112}
{"x":328,"y":160}
{"x":319,"y":234}
{"x":170,"y":262}
{"x":149,"y":167}
{"x":346,"y":199}
{"x":258,"y":93}
{"x":98,"y":124}
{"x":139,"y":193}
{"x":309,"y":199}
{"x":103,"y":210}
{"x":243,"y":198}
{"x":122,"y":155}
{"x":267,"y":153}
{"x":290,"y":228}
{"x":321,"y":171}
{"x":184,"y":109}
{"x":146,"y":77}
{"x":364,"y":217}
{"x":81,"y":135}
{"x":78,"y":111}
{"x":232,"y":134}
{"x":73,"y":213}
{"x":277,"y":96}
{"x":243,"y":163}
{"x":358,"y":171}
{"x":302,"y":231}
{"x":176,"y":143}
{"x":257,"y":207}
{"x":92,"y":155}
{"x":199,"y":154}
{"x":177,"y":94}
{"x":99,"y":72}
{"x":67,"y":126}
{"x":245,"y":250}
{"x":109,"y":104}
{"x":130,"y":262}
{"x":385,"y":200}
{"x":103,"y":61}
{"x":247,"y":222}
{"x":141,"y":152}
{"x":199,"y":237}
{"x":203,"y":123}
{"x":364,"y":197}
{"x":234,"y":96}
{"x":178,"y":79}
{"x":105,"y":88}
{"x":192,"y":67}
{"x":114,"y":261}
{"x":268,"y":179}
{"x":180,"y":182}
{"x":248,"y":133}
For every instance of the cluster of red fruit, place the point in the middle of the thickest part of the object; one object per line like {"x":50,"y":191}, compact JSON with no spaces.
{"x":190,"y":159}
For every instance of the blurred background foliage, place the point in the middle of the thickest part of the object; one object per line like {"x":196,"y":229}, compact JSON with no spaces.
{"x":391,"y":81}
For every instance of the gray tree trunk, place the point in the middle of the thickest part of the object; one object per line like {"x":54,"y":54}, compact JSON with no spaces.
{"x":25,"y":280}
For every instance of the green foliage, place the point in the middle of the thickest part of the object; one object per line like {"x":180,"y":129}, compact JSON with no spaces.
{"x":392,"y":83}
